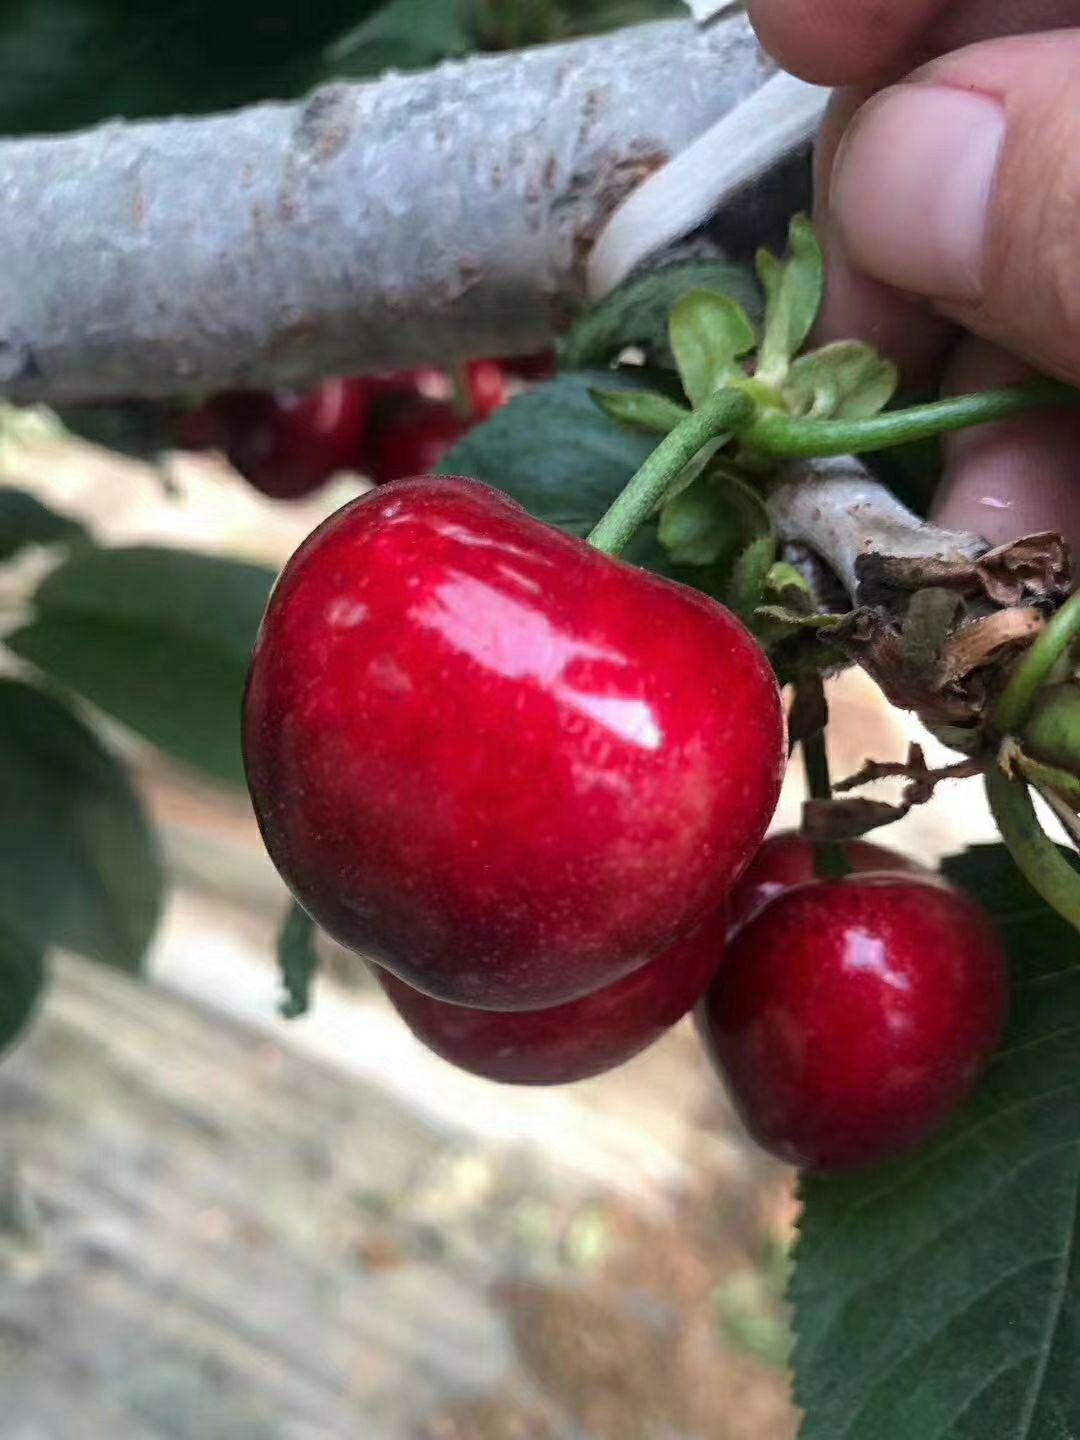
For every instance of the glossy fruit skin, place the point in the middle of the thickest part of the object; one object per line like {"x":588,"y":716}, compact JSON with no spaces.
{"x":285,"y":443}
{"x":413,"y":438}
{"x":851,"y":1017}
{"x":568,"y":1042}
{"x":495,"y":761}
{"x":787,"y":859}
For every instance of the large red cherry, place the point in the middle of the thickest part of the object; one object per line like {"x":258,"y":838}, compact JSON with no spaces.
{"x":787,"y":859}
{"x":851,"y":1017}
{"x":573,"y":1041}
{"x":285,"y":443}
{"x":495,"y":761}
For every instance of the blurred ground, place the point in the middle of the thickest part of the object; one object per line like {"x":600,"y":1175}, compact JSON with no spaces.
{"x":216,"y":1226}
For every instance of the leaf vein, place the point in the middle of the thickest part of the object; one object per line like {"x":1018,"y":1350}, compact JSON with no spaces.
{"x":915,"y":1171}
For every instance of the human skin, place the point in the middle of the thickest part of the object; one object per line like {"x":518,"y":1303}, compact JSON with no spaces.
{"x":946,"y":173}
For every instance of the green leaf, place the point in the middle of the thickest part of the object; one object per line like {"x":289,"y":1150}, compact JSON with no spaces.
{"x":697,"y":528}
{"x":298,"y":962}
{"x":69,"y":63}
{"x":793,"y":293}
{"x":555,"y":452}
{"x":79,"y":864}
{"x":708,"y":333}
{"x":774,"y":623}
{"x":783,"y":579}
{"x":502,"y":26}
{"x":72,"y":63}
{"x":747,"y":586}
{"x":403,"y":34}
{"x":143,"y":429}
{"x":159,"y":639}
{"x":645,"y":410}
{"x":24,"y":521}
{"x":847,"y":380}
{"x":937,"y":1297}
{"x":22,"y":981}
{"x":712,"y":517}
{"x":636,"y":314}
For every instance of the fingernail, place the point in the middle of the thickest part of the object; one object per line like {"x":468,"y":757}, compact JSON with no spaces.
{"x":912,"y":186}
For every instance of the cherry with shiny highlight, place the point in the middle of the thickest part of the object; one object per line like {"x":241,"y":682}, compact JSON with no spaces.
{"x":506,"y":767}
{"x":850,"y":1018}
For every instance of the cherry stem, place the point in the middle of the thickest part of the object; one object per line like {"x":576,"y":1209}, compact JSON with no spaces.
{"x":1014,"y":707}
{"x":1037,"y":857}
{"x":722,"y":413}
{"x":791,"y":438}
{"x":830,"y":861}
{"x":461,"y":400}
{"x":1049,"y":779}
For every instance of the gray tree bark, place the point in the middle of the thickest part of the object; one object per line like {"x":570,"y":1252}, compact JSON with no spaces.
{"x":441,"y":215}
{"x":843,"y":514}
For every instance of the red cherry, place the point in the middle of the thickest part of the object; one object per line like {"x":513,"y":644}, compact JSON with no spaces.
{"x":396,"y":384}
{"x":413,"y":439}
{"x":574,"y":1041}
{"x":851,"y":1017}
{"x":501,"y":764}
{"x":285,"y":443}
{"x":787,"y":860}
{"x":487,"y":388}
{"x":531,"y":368}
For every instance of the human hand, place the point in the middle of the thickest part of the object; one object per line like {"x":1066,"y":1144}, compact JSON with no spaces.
{"x":948,"y":198}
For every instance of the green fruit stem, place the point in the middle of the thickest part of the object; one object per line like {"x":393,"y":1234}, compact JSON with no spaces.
{"x":1051,"y":733}
{"x":461,"y":399}
{"x":1049,"y":779}
{"x":1029,"y":677}
{"x":769,"y":432}
{"x":1038,"y":859}
{"x":791,"y":438}
{"x":723,"y":413}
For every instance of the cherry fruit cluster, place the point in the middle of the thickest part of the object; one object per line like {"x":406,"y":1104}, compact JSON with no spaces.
{"x":531,"y":784}
{"x":289,"y":443}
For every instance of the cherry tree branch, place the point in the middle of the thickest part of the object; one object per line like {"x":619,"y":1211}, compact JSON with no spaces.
{"x":422,"y":217}
{"x":843,"y":514}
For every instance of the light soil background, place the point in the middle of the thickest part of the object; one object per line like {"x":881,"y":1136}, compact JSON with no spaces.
{"x":218,"y":1226}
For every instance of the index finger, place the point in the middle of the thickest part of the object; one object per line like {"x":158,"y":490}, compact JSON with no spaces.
{"x":857,"y":42}
{"x":841,"y":42}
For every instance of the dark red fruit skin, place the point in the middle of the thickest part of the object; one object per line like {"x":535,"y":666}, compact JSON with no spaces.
{"x":413,"y":439}
{"x":568,"y":1042}
{"x":531,"y":367}
{"x":851,"y":1017}
{"x":787,"y":859}
{"x":284,"y":443}
{"x":502,"y":765}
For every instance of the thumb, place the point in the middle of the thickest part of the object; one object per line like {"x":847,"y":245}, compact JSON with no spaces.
{"x":962,"y":186}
